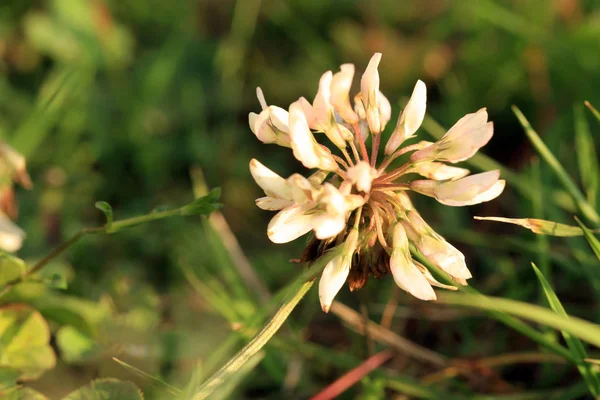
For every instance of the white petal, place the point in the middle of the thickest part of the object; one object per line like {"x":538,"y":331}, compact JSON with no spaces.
{"x":303,"y":190}
{"x":261,"y":98}
{"x":445,"y":256}
{"x":327,"y":226}
{"x":413,"y":114}
{"x":333,"y":278}
{"x":385,"y":110}
{"x":304,"y":145}
{"x":467,"y":144}
{"x":289,"y":224}
{"x":279,"y":118}
{"x":262,"y":127}
{"x":322,"y":105}
{"x":272,"y":184}
{"x":434,"y":282}
{"x":362,"y":175}
{"x":408,"y":277}
{"x":340,"y":88}
{"x":467,"y":123}
{"x":369,"y":83}
{"x":273,"y":204}
{"x":469,"y":190}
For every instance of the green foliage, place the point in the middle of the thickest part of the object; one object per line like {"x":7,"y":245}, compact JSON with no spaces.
{"x":24,"y":342}
{"x":124,"y":100}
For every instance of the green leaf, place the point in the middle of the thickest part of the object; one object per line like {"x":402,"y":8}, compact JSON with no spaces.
{"x":539,"y":226}
{"x":589,"y":171}
{"x":8,"y":378}
{"x":591,"y":239}
{"x":203,"y":205}
{"x":24,"y":341}
{"x":24,"y":394}
{"x":580,"y":328}
{"x":107,"y":210}
{"x":574,"y":344}
{"x":75,"y":346}
{"x":564,"y":178}
{"x":107,"y":389}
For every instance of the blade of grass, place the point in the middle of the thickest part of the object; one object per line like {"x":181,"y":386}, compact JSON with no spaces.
{"x":592,"y":109}
{"x":580,"y":328}
{"x":501,"y":315}
{"x":589,"y":171}
{"x":586,"y":208}
{"x":296,"y":291}
{"x":171,"y":389}
{"x":574,"y":344}
{"x":591,"y":239}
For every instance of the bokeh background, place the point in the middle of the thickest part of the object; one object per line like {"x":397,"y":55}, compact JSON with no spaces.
{"x":144,"y":104}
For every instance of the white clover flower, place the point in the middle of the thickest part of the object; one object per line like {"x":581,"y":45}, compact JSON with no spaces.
{"x":363,"y":207}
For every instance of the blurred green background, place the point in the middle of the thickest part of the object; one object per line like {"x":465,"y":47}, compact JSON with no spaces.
{"x":127,"y":101}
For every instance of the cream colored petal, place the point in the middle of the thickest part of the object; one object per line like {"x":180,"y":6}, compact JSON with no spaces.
{"x":467,"y":144}
{"x":327,"y":225}
{"x":333,"y":278}
{"x":262,"y":127}
{"x":303,"y":191}
{"x":468,"y":190}
{"x":439,"y":171}
{"x":369,"y":83}
{"x":362,"y":175}
{"x":385,"y":110}
{"x":272,"y":204}
{"x":305,"y":147}
{"x":432,"y":281}
{"x":467,"y":123}
{"x":279,"y":118}
{"x":261,"y":98}
{"x":252,"y":121}
{"x":444,"y":255}
{"x":322,"y":105}
{"x":340,"y":89}
{"x":272,"y":184}
{"x":289,"y":224}
{"x":410,"y":119}
{"x":408,"y":277}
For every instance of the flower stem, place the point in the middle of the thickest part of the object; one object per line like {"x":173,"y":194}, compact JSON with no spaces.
{"x":375,"y":149}
{"x":361,"y":142}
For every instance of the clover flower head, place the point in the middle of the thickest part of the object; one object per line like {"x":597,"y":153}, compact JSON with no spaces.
{"x":358,"y":201}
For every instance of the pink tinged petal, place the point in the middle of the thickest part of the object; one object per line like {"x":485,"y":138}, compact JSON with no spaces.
{"x":273,"y":204}
{"x":304,"y":145}
{"x":439,"y":171}
{"x":411,"y":118}
{"x":289,"y":224}
{"x":261,"y":127}
{"x":340,"y":88}
{"x":333,"y":278}
{"x":470,"y":190}
{"x":309,"y":113}
{"x":272,"y":184}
